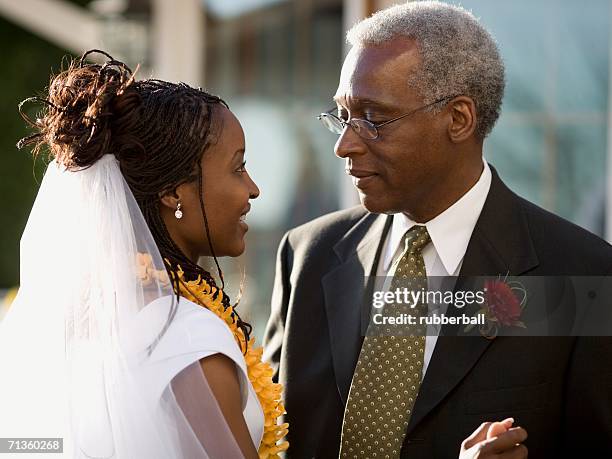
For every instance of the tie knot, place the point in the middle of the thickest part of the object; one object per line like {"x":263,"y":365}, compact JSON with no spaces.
{"x":416,"y":238}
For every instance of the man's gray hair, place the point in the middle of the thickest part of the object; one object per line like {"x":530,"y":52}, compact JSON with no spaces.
{"x":459,"y":56}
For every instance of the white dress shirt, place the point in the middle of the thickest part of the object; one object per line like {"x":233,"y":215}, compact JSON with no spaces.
{"x":450,"y":234}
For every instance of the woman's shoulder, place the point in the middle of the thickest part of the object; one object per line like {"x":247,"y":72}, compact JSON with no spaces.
{"x":193,"y":333}
{"x":192,"y":329}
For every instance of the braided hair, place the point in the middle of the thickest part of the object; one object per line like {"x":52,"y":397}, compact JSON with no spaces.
{"x":157,"y":130}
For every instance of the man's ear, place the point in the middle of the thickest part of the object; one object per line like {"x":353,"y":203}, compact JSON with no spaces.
{"x":463,"y":119}
{"x":169,"y":198}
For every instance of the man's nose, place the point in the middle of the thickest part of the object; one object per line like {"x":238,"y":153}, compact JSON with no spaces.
{"x":349,"y":143}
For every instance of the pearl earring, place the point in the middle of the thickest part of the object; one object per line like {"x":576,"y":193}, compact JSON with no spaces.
{"x":178,"y":213}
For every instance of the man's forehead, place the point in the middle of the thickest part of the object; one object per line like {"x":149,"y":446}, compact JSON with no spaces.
{"x":361,"y":100}
{"x":369,"y":71}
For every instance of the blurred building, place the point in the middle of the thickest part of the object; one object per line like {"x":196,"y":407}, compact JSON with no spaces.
{"x":277,"y":63}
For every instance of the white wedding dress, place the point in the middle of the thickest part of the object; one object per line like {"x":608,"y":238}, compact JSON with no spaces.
{"x":195,"y":333}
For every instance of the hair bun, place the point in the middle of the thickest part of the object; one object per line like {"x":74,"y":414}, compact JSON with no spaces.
{"x":84,"y":105}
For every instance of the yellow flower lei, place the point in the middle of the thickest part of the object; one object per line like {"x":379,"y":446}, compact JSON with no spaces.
{"x":260,"y":373}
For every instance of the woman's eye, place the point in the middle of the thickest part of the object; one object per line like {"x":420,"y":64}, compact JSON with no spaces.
{"x":242,"y":167}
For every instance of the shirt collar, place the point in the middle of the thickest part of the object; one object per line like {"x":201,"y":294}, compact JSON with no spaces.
{"x":450,"y":231}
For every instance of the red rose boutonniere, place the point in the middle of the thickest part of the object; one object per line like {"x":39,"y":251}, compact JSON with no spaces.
{"x":503,"y":306}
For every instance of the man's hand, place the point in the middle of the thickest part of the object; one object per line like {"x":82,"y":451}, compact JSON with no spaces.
{"x":497,"y":440}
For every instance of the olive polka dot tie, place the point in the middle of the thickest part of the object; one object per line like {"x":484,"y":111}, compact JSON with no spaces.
{"x":388,"y":374}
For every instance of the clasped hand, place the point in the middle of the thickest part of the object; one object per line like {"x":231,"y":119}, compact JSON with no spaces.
{"x":497,"y":440}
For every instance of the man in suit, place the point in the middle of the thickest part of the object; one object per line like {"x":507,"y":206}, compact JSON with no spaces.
{"x":419,"y":91}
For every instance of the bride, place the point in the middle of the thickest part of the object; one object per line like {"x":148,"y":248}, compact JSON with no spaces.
{"x":118,"y":341}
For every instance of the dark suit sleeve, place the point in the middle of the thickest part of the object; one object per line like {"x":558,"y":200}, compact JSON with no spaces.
{"x":588,"y":410}
{"x":273,"y":338}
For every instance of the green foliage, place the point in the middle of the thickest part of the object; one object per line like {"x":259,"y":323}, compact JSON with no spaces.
{"x":27,"y":62}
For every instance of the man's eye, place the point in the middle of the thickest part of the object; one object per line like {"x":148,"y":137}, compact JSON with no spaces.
{"x":242,"y":167}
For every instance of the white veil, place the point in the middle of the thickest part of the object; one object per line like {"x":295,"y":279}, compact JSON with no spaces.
{"x":74,"y":346}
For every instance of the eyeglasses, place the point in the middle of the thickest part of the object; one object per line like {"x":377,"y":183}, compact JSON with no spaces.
{"x":364,"y":128}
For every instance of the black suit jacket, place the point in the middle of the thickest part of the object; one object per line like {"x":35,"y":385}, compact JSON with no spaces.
{"x":558,"y":388}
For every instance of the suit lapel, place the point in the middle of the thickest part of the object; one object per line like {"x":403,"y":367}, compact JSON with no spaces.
{"x":345,"y":289}
{"x":500,"y":245}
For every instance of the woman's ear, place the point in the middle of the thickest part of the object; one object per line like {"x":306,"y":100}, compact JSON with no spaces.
{"x":463,"y":119}
{"x":170,"y":199}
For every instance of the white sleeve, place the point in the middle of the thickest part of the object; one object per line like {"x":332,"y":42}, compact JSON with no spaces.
{"x":194,"y":333}
{"x":180,"y":384}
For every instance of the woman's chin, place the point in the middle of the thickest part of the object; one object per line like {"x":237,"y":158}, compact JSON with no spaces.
{"x":232,"y":251}
{"x":237,"y":249}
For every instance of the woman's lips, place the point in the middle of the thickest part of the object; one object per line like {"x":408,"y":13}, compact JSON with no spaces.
{"x":242,"y":220}
{"x":362,"y":178}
